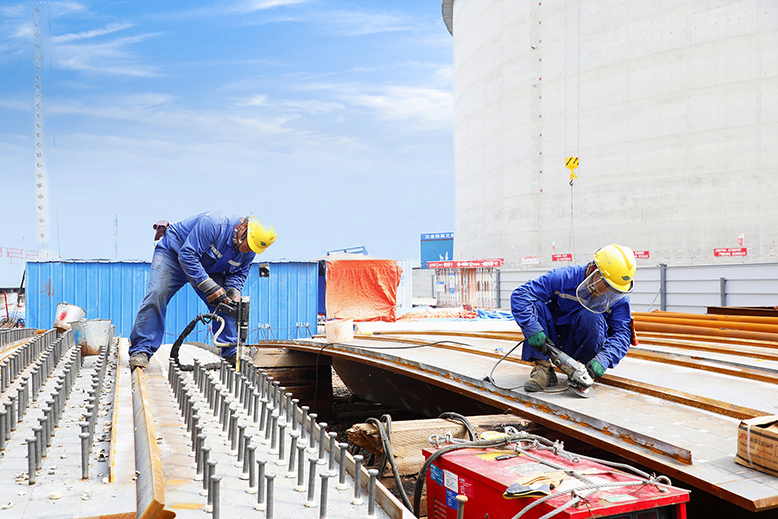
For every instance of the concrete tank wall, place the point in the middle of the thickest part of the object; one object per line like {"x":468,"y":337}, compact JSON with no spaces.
{"x":671,"y":106}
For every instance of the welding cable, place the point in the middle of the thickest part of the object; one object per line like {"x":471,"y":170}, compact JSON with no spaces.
{"x":490,"y":377}
{"x":569,"y":455}
{"x":553,"y":465}
{"x":408,"y":347}
{"x":478,"y":444}
{"x":316,"y":370}
{"x":387,"y":455}
{"x":460,"y":418}
{"x":592,"y":488}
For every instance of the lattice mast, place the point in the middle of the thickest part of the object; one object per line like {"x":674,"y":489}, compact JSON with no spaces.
{"x":41,"y":187}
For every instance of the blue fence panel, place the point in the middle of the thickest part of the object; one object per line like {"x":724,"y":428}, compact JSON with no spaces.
{"x":281,"y":305}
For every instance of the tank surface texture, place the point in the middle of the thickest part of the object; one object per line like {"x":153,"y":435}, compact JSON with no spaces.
{"x":671,"y":107}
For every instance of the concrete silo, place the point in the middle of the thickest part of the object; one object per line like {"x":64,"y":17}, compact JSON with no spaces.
{"x":671,"y":107}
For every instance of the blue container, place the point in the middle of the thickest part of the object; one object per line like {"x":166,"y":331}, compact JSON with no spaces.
{"x":283,"y":305}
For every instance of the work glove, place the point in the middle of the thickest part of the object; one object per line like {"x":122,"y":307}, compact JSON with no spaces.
{"x":234,"y":295}
{"x":595,"y":369}
{"x":214,"y":293}
{"x":538,"y":341}
{"x":161,"y":228}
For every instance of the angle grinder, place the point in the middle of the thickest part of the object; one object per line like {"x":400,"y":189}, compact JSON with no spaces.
{"x":578,"y":378}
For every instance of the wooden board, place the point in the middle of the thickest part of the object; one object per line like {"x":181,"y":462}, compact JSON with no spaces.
{"x":409,"y":437}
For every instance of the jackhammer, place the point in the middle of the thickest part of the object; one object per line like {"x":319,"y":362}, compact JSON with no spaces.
{"x":238,"y":310}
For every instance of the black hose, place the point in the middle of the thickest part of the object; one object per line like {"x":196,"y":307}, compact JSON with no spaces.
{"x":387,"y":455}
{"x":490,"y":377}
{"x":205,"y":319}
{"x":464,"y":420}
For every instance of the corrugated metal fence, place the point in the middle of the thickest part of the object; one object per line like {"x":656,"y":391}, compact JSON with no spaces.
{"x":686,"y":288}
{"x":282,"y":305}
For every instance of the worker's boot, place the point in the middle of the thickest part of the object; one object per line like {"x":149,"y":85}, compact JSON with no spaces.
{"x":231,"y":360}
{"x":541,"y":377}
{"x":139,"y":360}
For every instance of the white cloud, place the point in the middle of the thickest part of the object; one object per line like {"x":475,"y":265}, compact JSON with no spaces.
{"x":246,"y":6}
{"x":112,"y":57}
{"x":405,"y":103}
{"x":360,"y":23}
{"x":309,"y":106}
{"x":427,"y":107}
{"x":109,"y":29}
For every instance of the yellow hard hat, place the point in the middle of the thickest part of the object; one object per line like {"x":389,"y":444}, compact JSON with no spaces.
{"x":616,"y":263}
{"x":259,"y":237}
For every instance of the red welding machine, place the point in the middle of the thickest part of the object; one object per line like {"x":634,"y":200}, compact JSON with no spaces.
{"x":550,"y":483}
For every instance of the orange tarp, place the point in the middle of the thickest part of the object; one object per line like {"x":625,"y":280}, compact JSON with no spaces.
{"x":362,"y":289}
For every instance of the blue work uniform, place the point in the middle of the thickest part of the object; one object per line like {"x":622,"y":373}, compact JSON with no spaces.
{"x":549,"y":304}
{"x":191,"y":250}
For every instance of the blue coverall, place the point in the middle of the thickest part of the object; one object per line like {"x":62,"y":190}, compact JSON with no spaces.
{"x":549,"y":304}
{"x":191,"y":250}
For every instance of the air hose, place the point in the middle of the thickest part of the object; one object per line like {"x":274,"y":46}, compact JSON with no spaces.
{"x":201,"y":318}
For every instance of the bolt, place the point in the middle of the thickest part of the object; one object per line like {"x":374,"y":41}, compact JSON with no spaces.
{"x":261,"y":483}
{"x":371,"y":492}
{"x":357,"y":480}
{"x":323,"y":502}
{"x":342,"y":468}
{"x":332,"y":436}
{"x":322,"y":442}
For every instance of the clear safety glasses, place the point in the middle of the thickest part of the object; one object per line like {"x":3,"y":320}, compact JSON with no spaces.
{"x":596,"y":295}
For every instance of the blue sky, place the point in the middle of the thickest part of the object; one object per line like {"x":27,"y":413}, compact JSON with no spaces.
{"x":329,"y":119}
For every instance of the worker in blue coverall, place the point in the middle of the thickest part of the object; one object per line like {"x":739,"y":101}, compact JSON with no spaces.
{"x":583,"y":309}
{"x":211,"y":251}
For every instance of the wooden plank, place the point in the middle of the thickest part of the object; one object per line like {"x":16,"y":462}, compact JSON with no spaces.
{"x":409,"y":437}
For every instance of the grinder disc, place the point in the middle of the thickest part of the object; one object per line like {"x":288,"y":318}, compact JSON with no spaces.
{"x":582,"y":392}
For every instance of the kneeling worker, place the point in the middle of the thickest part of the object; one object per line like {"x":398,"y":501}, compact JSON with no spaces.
{"x":583,"y":309}
{"x":212,"y":252}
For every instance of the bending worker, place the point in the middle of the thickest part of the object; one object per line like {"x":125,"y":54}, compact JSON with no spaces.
{"x":583,"y":309}
{"x":211,"y":251}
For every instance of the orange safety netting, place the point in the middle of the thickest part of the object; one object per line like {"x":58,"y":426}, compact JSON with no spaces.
{"x":362,"y":289}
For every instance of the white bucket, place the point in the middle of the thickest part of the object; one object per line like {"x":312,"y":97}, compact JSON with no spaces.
{"x":91,"y":335}
{"x":340,"y":331}
{"x":67,"y":314}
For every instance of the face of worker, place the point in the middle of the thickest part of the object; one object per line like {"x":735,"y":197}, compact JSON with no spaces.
{"x":243,"y":243}
{"x":597,"y":284}
{"x":595,"y":294}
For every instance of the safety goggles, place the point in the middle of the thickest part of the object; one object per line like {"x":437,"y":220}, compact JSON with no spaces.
{"x":596,"y":295}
